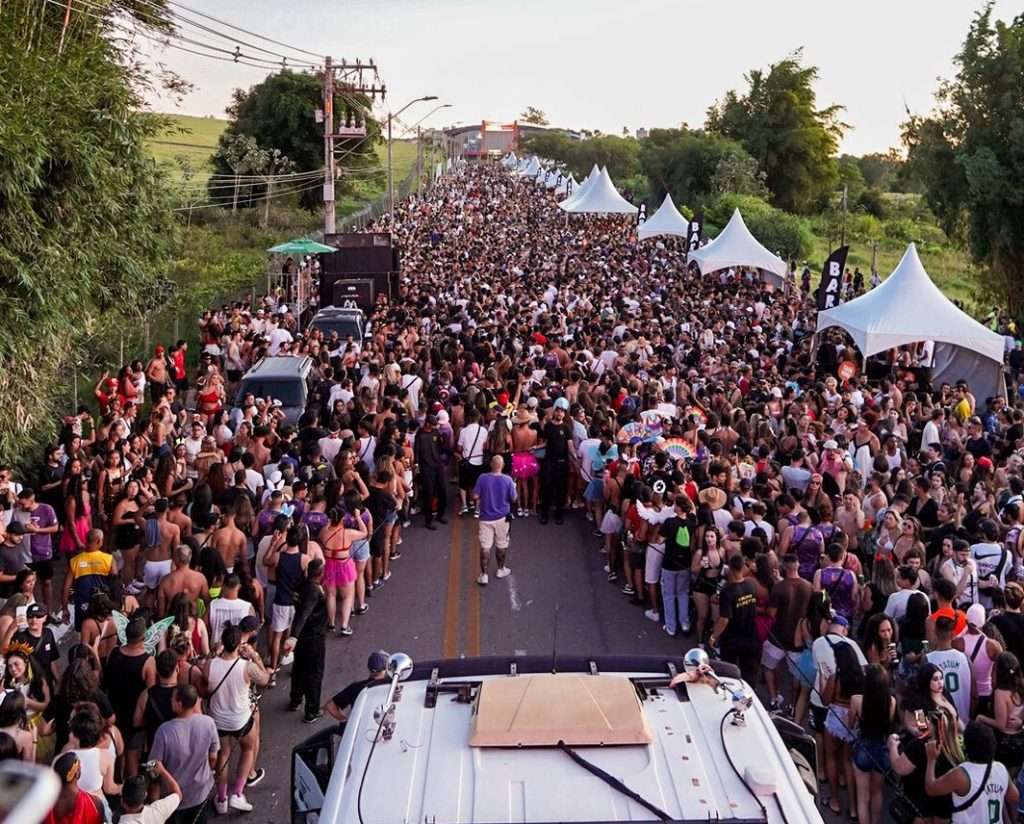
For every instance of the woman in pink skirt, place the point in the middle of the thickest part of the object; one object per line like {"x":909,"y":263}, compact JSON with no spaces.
{"x":525,"y":466}
{"x":77,"y":511}
{"x":339,"y":567}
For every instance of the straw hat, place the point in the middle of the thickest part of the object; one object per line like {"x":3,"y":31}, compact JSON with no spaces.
{"x":713,"y":497}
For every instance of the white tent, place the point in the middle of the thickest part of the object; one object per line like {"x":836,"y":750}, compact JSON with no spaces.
{"x":583,"y":187}
{"x":735,"y":246}
{"x":553,"y":179}
{"x":666,"y":221}
{"x":439,"y":171}
{"x":909,"y":308}
{"x":599,"y":199}
{"x":510,"y":160}
{"x":532,"y":167}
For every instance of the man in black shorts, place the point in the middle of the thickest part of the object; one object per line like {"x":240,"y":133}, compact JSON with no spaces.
{"x":40,"y":523}
{"x":341,"y":703}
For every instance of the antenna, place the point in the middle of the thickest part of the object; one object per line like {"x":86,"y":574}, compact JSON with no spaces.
{"x":554,"y":642}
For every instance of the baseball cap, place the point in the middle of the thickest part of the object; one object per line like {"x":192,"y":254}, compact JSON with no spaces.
{"x":985,"y":462}
{"x":839,"y":621}
{"x":976,"y":615}
{"x":36,"y":610}
{"x":830,"y":445}
{"x":378,"y":661}
{"x":250,"y":623}
{"x":562,"y":403}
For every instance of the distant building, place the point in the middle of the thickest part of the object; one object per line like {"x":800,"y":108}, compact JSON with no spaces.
{"x":492,"y":139}
{"x":641,"y":134}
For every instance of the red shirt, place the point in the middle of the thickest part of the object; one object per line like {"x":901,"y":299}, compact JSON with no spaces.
{"x":84,"y":812}
{"x":179,"y":364}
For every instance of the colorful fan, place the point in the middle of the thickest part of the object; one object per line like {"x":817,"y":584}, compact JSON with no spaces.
{"x":654,"y":418}
{"x":636,"y":432}
{"x":678,"y":450}
{"x":697,"y":413}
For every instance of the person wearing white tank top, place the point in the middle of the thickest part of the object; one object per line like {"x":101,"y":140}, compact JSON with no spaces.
{"x":955,"y":667}
{"x":981,"y":787}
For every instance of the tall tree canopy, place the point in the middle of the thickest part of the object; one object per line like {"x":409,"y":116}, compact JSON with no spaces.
{"x":278,"y":114}
{"x":85,"y":228}
{"x":620,"y":154}
{"x":534,"y":116}
{"x":779,"y":123}
{"x":689,"y":164}
{"x":969,"y":153}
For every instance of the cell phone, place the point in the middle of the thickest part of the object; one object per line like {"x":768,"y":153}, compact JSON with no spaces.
{"x":21,"y":614}
{"x":920,"y":721}
{"x":27,"y":792}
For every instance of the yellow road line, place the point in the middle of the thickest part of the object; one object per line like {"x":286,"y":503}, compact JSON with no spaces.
{"x":473,"y":608}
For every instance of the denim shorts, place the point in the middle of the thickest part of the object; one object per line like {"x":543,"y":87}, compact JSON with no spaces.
{"x":871,"y":755}
{"x":360,"y":550}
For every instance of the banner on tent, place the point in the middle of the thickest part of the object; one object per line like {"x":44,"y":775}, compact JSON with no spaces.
{"x":832,"y":279}
{"x":695,"y":231}
{"x":641,"y":214}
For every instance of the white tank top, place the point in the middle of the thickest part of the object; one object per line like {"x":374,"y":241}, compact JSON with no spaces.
{"x":956,"y":675}
{"x":988,"y":807}
{"x":91,"y":778}
{"x":229,"y":705}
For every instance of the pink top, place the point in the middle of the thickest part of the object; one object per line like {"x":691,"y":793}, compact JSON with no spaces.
{"x":976,"y":650}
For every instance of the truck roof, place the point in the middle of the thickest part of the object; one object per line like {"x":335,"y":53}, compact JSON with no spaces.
{"x":675,"y":750}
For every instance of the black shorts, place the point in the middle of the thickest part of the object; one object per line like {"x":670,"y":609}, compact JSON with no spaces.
{"x":468,"y":475}
{"x":818,"y":715}
{"x":241,"y":732}
{"x":42,"y":569}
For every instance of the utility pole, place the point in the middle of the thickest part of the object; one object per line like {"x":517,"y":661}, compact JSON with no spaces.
{"x":329,"y":224}
{"x":419,"y":160}
{"x":842,"y":231}
{"x":391,"y":182}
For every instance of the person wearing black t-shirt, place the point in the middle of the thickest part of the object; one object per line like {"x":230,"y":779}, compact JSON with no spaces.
{"x":554,"y":469}
{"x":736,"y":627}
{"x":679,"y":531}
{"x":338,"y":707}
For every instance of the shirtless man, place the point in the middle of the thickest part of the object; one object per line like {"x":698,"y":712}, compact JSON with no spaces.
{"x":259,"y":449}
{"x":158,"y":558}
{"x":229,"y":542}
{"x":850,"y":519}
{"x":156,"y":375}
{"x":182,"y":579}
{"x":176,"y":515}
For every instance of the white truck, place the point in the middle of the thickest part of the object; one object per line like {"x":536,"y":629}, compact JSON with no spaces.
{"x":540,"y":740}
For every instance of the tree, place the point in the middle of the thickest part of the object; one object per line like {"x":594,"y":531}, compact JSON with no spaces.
{"x":779,"y":124}
{"x":534,"y":117}
{"x":738,"y":172}
{"x":85,"y":222}
{"x":685,"y":163}
{"x":969,"y":152}
{"x":279,"y":114}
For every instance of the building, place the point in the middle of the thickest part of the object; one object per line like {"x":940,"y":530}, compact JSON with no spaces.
{"x":491,"y":139}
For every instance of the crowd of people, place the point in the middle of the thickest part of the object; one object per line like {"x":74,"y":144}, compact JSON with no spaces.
{"x":853,"y":546}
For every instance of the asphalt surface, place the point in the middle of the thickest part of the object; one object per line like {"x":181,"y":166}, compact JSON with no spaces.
{"x":432,"y":607}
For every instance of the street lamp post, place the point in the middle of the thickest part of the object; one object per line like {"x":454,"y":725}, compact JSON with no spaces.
{"x":391,"y":174}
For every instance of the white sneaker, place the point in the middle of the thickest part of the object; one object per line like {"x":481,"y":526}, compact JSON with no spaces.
{"x":483,"y":579}
{"x":667,"y":630}
{"x":220,"y":806}
{"x":503,"y":572}
{"x":653,"y":615}
{"x":238,"y":802}
{"x":685,"y":629}
{"x":607,"y":568}
{"x":287,"y":659}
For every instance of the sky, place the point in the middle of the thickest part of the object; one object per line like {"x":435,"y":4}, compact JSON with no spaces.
{"x":602,"y":64}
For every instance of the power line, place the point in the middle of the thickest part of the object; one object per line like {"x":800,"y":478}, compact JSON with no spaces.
{"x":253,"y":200}
{"x":244,"y":31}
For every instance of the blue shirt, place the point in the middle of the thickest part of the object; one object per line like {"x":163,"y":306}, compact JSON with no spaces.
{"x":496,"y":493}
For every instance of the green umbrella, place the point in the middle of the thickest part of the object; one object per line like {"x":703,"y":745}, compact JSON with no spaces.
{"x":301,"y":246}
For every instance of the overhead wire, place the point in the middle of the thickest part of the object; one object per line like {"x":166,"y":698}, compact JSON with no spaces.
{"x":250,"y":201}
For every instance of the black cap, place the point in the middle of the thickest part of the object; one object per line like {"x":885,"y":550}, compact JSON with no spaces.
{"x":36,"y":610}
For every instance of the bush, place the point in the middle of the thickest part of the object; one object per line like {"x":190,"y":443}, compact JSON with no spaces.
{"x":788,"y":236}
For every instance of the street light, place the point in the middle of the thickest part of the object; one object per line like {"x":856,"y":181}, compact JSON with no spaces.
{"x":391,"y":177}
{"x":419,"y":146}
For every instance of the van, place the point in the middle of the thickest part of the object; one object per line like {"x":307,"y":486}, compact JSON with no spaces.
{"x":341,"y":319}
{"x":284,"y":379}
{"x":544,"y":739}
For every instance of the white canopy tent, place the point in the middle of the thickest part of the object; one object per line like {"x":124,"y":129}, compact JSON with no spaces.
{"x":532,"y":167}
{"x":600,"y":199}
{"x":510,"y":160}
{"x":583,"y":187}
{"x":735,"y":246}
{"x":666,"y":221}
{"x":567,"y":185}
{"x":909,"y":308}
{"x":553,"y":179}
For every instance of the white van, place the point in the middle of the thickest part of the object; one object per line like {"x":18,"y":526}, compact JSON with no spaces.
{"x":528,"y":739}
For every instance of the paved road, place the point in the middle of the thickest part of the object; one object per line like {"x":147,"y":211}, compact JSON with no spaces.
{"x":432,"y":607}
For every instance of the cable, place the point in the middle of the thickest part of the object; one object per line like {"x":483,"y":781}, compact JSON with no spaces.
{"x":244,"y":31}
{"x":252,"y":201}
{"x":366,"y":768}
{"x":725,"y":749}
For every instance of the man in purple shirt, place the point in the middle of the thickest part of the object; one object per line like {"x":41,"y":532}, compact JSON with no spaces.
{"x":40,"y":522}
{"x":494,"y":494}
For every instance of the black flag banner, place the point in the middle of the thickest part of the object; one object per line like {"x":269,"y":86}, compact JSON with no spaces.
{"x":641,"y":214}
{"x":832,"y":279}
{"x":695,"y":231}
